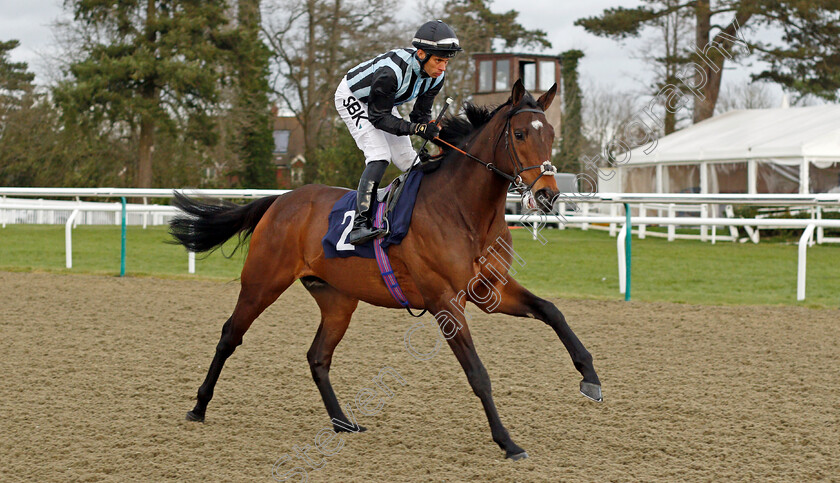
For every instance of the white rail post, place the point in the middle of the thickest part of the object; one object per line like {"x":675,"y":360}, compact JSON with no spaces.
{"x":642,"y":214}
{"x":585,"y":226}
{"x":191,"y":262}
{"x":39,"y":214}
{"x":803,"y":255}
{"x":613,"y":213}
{"x":561,"y":209}
{"x":622,"y":260}
{"x":68,"y":239}
{"x":704,"y":229}
{"x":752,"y":233}
{"x":145,"y":213}
{"x":672,"y":229}
{"x":3,"y":212}
{"x":733,"y":230}
{"x":820,"y":230}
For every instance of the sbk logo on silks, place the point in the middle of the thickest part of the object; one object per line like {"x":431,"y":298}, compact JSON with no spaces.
{"x":354,"y":108}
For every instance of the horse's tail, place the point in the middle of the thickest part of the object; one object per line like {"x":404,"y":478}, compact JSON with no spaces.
{"x":205,"y":226}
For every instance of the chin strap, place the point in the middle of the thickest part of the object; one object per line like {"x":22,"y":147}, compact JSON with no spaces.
{"x":422,"y":62}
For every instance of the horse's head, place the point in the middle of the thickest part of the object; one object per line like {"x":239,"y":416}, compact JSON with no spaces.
{"x":526,"y":145}
{"x":518,"y":137}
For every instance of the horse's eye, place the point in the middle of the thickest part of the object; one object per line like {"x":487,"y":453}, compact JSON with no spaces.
{"x":519,"y":135}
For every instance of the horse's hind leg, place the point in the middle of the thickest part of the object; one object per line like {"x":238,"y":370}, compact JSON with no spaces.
{"x":257,"y":293}
{"x":336,"y":310}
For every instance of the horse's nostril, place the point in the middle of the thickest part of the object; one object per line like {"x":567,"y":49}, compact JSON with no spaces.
{"x":545,"y":198}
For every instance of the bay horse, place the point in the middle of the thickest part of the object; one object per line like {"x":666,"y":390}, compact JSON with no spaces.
{"x":458,"y":214}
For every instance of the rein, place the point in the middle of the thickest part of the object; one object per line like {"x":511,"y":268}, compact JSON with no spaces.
{"x":546,"y":168}
{"x":489,"y":166}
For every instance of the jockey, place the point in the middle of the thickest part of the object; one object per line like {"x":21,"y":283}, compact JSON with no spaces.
{"x":366,"y":100}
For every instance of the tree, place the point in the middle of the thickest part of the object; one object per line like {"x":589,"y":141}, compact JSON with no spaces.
{"x":38,"y":149}
{"x":338,"y":163}
{"x":668,"y":54}
{"x":22,"y":123}
{"x":808,"y":63}
{"x":605,"y":113}
{"x":148,"y":65}
{"x":478,"y":29}
{"x":15,"y":81}
{"x":745,"y":95}
{"x":714,"y":44}
{"x":571,"y":136}
{"x":249,"y":122}
{"x":251,"y":113}
{"x":314,"y":44}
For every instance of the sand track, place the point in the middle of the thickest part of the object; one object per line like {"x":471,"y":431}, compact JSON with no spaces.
{"x":99,"y":372}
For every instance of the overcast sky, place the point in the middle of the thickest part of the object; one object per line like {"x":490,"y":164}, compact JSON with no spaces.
{"x":606,"y":62}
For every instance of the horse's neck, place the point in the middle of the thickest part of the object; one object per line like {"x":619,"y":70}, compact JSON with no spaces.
{"x":469,"y":194}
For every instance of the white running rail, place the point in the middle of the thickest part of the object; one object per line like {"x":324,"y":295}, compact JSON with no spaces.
{"x":641,"y":201}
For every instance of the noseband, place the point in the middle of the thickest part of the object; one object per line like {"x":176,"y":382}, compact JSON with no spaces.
{"x":546,"y":168}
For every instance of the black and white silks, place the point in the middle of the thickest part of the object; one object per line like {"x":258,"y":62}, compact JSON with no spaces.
{"x":389,"y":80}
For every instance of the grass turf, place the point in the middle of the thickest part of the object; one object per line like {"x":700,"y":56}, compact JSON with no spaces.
{"x":571,"y":263}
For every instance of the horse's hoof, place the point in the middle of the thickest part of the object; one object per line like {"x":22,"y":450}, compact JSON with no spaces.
{"x":592,"y":391}
{"x":192,"y":416}
{"x":349,"y":429}
{"x":517,"y":456}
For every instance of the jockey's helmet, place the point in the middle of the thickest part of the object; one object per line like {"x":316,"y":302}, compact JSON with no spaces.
{"x":437,"y":38}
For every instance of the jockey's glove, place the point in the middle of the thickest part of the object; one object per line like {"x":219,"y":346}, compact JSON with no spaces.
{"x":428,"y":130}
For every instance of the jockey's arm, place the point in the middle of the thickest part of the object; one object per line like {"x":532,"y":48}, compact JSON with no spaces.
{"x":422,"y":112}
{"x":383,"y":91}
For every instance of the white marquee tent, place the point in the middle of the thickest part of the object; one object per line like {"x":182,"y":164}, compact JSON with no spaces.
{"x":784,"y":150}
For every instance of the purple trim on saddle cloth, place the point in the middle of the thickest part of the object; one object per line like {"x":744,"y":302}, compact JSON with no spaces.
{"x":385,"y":269}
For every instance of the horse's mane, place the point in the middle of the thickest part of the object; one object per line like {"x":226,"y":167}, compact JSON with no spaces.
{"x":457,"y":130}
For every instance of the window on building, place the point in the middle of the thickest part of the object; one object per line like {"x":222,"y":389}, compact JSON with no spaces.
{"x":281,"y":141}
{"x":485,"y":76}
{"x":528,"y":74}
{"x":502,"y":75}
{"x":547,"y":73}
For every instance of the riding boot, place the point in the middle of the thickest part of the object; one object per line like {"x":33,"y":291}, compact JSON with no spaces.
{"x":363,"y":230}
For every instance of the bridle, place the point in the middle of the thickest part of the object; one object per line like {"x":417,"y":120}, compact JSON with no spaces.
{"x":546,"y":168}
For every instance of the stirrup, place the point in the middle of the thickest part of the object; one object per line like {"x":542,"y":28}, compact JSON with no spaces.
{"x":358,"y":237}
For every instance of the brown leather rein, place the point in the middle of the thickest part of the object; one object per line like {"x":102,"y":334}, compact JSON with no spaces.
{"x":546,"y":168}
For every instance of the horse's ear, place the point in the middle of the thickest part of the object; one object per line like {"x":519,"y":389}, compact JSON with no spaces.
{"x":545,"y":100}
{"x":517,"y":93}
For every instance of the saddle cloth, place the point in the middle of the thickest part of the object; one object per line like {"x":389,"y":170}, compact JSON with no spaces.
{"x":343,"y":213}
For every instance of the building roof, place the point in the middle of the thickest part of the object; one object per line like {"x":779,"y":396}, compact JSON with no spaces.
{"x":783,"y":135}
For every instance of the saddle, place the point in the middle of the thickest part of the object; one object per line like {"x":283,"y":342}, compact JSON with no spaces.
{"x":398,"y":200}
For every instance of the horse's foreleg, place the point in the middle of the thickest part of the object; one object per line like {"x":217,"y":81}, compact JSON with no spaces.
{"x":462,"y":345}
{"x":517,"y":300}
{"x":336,"y":311}
{"x":254,"y":297}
